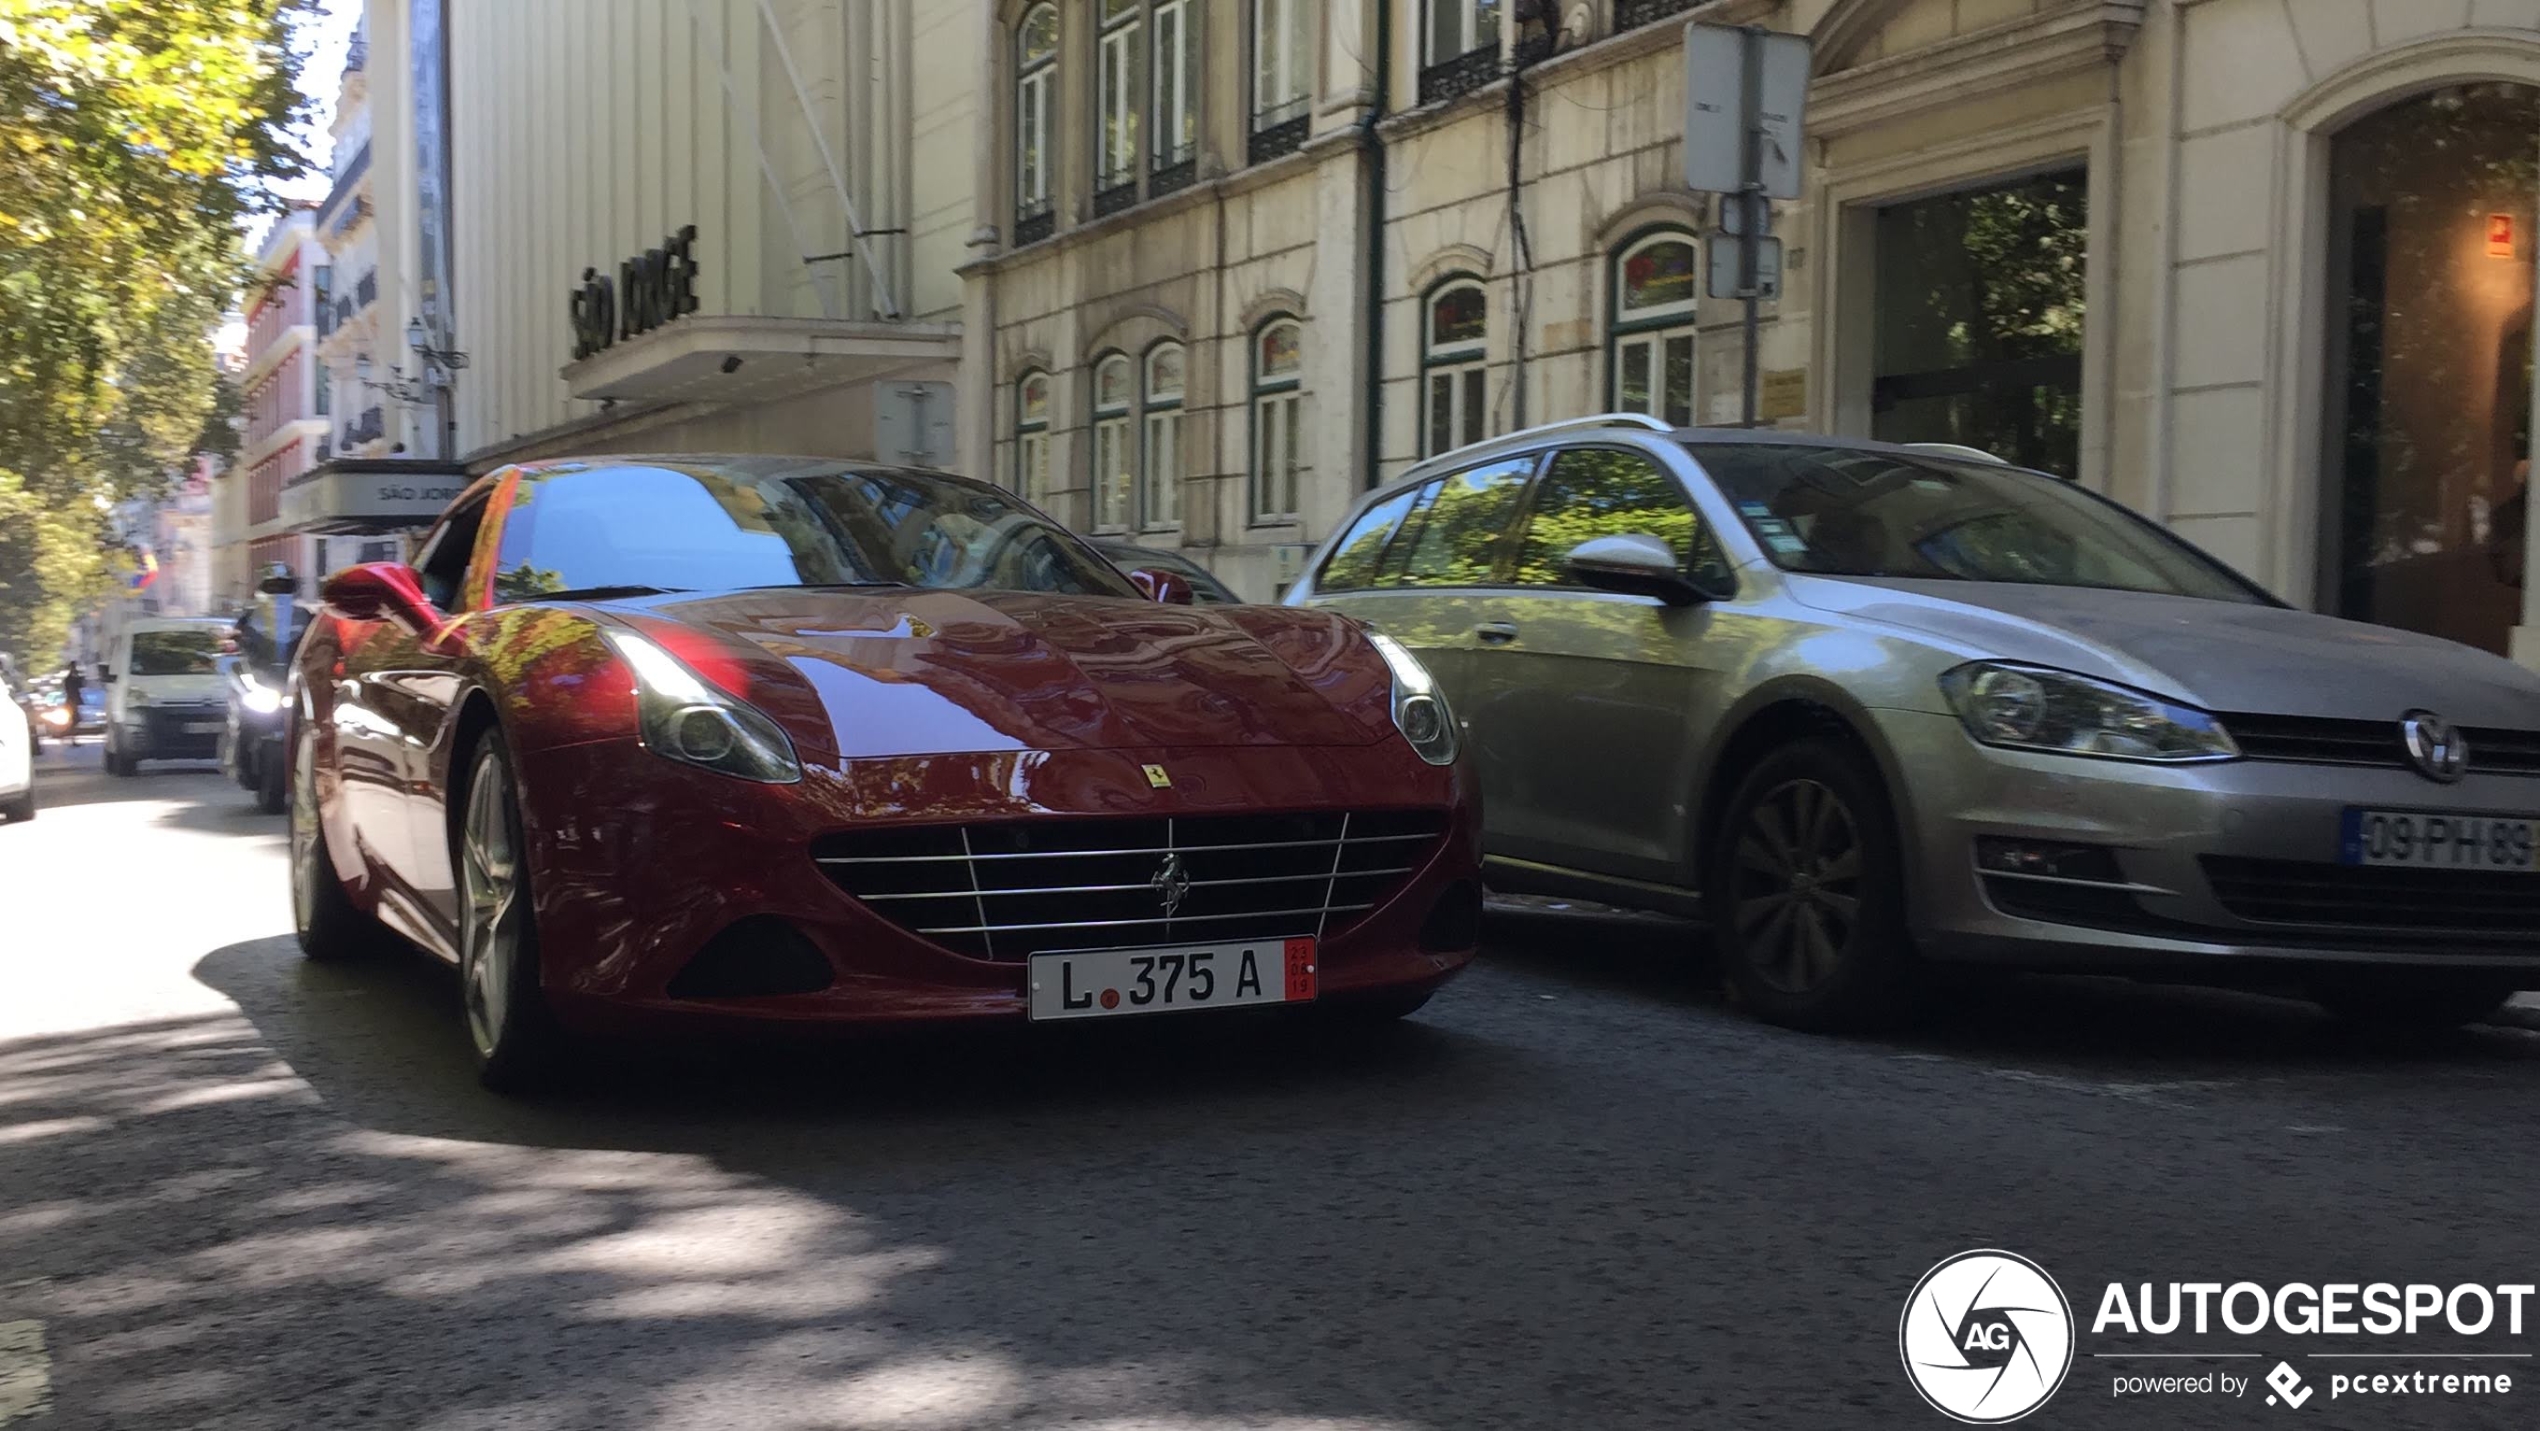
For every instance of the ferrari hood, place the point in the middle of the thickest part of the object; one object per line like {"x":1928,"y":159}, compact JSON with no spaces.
{"x":918,"y":672}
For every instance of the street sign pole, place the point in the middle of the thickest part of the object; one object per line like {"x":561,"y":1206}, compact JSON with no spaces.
{"x":1750,"y":198}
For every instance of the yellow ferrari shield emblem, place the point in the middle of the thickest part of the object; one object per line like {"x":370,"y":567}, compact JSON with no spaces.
{"x":1158,"y":779}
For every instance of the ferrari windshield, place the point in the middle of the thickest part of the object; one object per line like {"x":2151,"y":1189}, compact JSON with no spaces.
{"x":1838,"y":511}
{"x":665,"y":525}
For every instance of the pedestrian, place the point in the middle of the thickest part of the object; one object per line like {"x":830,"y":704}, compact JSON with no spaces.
{"x":73,"y":684}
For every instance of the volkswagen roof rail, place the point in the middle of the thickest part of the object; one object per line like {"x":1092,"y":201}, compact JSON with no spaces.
{"x":1590,"y":423}
{"x":1959,"y":449}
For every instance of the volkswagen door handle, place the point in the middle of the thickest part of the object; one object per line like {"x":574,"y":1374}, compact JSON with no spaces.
{"x":1495,"y":633}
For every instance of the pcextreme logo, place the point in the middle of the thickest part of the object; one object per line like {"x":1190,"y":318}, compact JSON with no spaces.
{"x":1987,"y":1337}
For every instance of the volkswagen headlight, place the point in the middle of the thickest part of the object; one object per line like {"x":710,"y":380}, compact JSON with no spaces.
{"x":2036,"y":708}
{"x":685,"y":718}
{"x":256,"y":696}
{"x":1419,"y":707}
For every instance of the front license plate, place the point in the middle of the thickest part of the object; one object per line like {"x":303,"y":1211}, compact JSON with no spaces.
{"x":1102,"y":983}
{"x":2440,"y":839}
{"x":202,"y":727}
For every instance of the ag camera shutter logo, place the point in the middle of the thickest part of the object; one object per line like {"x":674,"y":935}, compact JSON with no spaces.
{"x":1987,"y":1337}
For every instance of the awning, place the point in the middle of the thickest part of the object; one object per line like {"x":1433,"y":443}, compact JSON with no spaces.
{"x":370,"y":495}
{"x":723,"y":358}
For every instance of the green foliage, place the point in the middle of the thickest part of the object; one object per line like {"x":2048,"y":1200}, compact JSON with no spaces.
{"x":136,"y":138}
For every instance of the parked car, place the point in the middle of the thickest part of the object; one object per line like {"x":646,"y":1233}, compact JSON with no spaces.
{"x":1206,"y":589}
{"x":1861,"y":705}
{"x":784,"y":740}
{"x":254,"y":675}
{"x":163,"y":696}
{"x":17,"y":764}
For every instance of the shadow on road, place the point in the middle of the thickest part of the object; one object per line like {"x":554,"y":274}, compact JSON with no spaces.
{"x":2088,"y":1022}
{"x":68,"y":778}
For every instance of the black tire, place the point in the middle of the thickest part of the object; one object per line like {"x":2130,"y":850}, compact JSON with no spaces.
{"x":114,"y":762}
{"x":2392,"y":1000}
{"x":1805,"y":892}
{"x":272,"y":793}
{"x":19,"y":810}
{"x":518,"y":1044}
{"x":330,"y":927}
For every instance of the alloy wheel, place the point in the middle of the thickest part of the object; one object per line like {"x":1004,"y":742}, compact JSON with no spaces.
{"x":1797,"y":885}
{"x":490,"y":910}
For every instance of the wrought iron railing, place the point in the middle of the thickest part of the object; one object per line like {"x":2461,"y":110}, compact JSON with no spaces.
{"x":1034,"y":222}
{"x":1174,"y":176}
{"x":1451,"y":79}
{"x":1283,"y":136}
{"x":1120,"y":192}
{"x":1632,"y":14}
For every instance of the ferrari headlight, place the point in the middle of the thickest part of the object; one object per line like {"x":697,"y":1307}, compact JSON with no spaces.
{"x":685,"y":718}
{"x":257,"y":696}
{"x":2036,"y":708}
{"x":1419,"y":707}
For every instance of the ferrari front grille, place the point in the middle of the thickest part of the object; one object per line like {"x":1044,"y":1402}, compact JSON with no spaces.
{"x":1015,"y":888}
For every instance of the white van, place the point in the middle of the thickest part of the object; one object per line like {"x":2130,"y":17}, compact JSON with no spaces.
{"x":163,"y":691}
{"x":17,"y":764}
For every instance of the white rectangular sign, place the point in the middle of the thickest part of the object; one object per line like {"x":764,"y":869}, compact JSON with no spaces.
{"x":1715,"y":109}
{"x":365,"y":497}
{"x":1722,"y":252}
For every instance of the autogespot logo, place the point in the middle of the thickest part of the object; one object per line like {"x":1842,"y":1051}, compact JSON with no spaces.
{"x":1987,"y":1337}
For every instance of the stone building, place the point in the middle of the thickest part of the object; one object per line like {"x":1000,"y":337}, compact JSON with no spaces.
{"x":2262,"y":270}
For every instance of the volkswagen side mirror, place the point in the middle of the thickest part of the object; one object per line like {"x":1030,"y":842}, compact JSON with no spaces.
{"x":1635,"y":564}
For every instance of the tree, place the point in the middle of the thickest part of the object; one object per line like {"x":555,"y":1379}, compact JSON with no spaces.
{"x":137,"y":138}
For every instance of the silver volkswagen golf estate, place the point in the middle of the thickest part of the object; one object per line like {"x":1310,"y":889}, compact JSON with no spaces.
{"x":1861,"y":706}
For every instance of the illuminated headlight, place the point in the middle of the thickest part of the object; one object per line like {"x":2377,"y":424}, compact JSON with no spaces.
{"x":686,"y":719}
{"x":1419,"y":707}
{"x":259,"y":697}
{"x":2034,"y":708}
{"x":57,"y":716}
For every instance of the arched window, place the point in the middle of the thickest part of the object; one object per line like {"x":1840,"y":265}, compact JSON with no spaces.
{"x":1032,"y":436}
{"x":1282,"y":75}
{"x":1115,"y":451}
{"x":1160,"y":470}
{"x":1035,"y":148}
{"x":1655,"y":285}
{"x":1455,"y":325}
{"x":1278,"y":404}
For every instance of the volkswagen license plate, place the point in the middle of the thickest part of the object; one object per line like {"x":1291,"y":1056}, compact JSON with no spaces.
{"x":2440,"y":839}
{"x":1102,"y":983}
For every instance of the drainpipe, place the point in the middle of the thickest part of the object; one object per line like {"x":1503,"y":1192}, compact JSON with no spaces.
{"x":1371,"y":149}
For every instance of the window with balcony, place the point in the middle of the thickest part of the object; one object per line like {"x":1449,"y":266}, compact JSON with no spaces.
{"x":1036,"y":77}
{"x":1176,"y":67}
{"x":1632,"y":14}
{"x":1459,"y":48}
{"x":1282,"y":76}
{"x":1119,"y":66}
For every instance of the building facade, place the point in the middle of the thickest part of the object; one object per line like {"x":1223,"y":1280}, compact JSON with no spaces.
{"x":701,"y":225}
{"x":2190,"y":253}
{"x":279,"y":394}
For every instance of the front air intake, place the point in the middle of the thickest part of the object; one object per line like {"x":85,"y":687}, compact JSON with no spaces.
{"x":754,"y":958}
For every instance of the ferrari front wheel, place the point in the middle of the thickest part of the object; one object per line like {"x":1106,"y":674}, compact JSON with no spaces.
{"x":517,"y":1043}
{"x":329,"y":926}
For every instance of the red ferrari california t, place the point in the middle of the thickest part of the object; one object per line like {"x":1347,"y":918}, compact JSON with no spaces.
{"x":639,"y":740}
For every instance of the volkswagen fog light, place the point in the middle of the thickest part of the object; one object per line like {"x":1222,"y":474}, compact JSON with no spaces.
{"x":685,"y":718}
{"x":1419,"y":708}
{"x":2016,"y":707}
